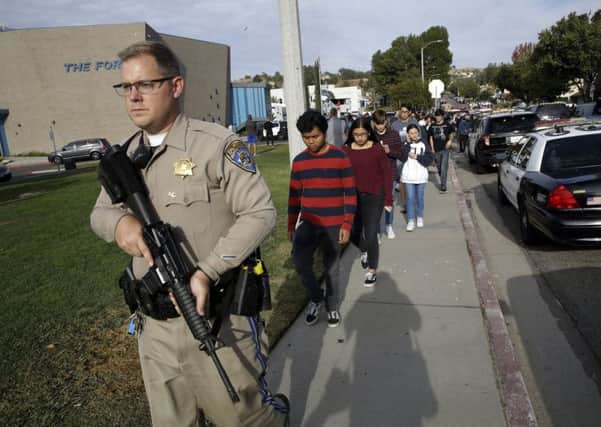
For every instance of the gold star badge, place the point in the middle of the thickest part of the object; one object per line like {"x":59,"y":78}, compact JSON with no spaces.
{"x":183,"y":167}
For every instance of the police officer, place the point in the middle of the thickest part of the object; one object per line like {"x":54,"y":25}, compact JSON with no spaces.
{"x":203,"y":181}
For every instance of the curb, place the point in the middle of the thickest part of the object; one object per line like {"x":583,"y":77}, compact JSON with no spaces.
{"x":27,"y":165}
{"x":514,"y":395}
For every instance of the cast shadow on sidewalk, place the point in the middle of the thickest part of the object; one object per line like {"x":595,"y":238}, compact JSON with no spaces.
{"x":378,"y":375}
{"x":303,"y":359}
{"x":385,"y":381}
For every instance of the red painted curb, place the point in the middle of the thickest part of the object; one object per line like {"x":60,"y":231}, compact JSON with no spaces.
{"x":29,"y":165}
{"x":514,"y":395}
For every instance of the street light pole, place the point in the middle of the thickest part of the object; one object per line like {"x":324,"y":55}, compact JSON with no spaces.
{"x":422,"y":55}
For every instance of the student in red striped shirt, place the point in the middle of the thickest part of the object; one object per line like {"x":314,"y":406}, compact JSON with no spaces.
{"x":321,"y":209}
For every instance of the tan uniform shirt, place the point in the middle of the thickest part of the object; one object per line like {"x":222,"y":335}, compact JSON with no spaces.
{"x":220,"y":213}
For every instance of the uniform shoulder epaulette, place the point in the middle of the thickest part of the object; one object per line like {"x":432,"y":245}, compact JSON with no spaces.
{"x":213,"y":129}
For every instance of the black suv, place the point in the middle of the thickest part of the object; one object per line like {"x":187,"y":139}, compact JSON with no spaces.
{"x":495,"y":134}
{"x":85,"y":149}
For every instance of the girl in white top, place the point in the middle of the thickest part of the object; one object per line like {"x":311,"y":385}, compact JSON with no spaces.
{"x":417,"y":156}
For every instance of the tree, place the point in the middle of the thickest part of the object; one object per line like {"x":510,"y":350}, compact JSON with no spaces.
{"x":522,"y":51}
{"x":411,"y":91}
{"x":488,"y":74}
{"x":527,"y":78}
{"x":317,"y":91}
{"x":465,"y":87}
{"x":485,"y":95}
{"x":395,"y":71}
{"x":310,"y":74}
{"x":505,"y":78}
{"x":570,"y":50}
{"x":278,"y":80}
{"x":350,"y":74}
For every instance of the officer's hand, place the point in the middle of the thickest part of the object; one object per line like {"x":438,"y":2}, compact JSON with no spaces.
{"x":200,"y":284}
{"x":128,"y":235}
{"x":344,"y":236}
{"x":291,"y":236}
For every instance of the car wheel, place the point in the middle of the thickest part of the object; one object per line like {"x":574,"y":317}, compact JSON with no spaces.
{"x":527,"y":232}
{"x":58,"y":160}
{"x":96,"y":155}
{"x":500,"y":193}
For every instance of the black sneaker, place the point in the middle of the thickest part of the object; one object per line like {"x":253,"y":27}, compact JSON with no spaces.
{"x":364,"y":260}
{"x":312,"y":313}
{"x":443,"y":190}
{"x":370,"y":279}
{"x":333,"y":318}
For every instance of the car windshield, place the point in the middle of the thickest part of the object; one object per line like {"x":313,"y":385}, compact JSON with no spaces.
{"x":553,"y":110}
{"x":520,"y":122}
{"x":574,"y":156}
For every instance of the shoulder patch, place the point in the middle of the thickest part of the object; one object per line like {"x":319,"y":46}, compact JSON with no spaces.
{"x":237,"y":153}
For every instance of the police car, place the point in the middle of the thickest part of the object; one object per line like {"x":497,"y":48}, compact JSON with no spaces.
{"x":553,"y":180}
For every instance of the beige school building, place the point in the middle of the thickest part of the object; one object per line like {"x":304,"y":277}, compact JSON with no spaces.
{"x":58,"y":82}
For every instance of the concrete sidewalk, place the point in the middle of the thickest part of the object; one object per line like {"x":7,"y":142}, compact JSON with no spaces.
{"x":412,"y":351}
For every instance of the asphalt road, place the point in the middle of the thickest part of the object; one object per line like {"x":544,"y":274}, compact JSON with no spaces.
{"x":551,"y":299}
{"x":572,"y":274}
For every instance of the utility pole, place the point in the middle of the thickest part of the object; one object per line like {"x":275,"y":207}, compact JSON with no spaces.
{"x":293,"y":72}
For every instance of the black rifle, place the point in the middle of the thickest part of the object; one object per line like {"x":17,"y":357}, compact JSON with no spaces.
{"x":124,"y":184}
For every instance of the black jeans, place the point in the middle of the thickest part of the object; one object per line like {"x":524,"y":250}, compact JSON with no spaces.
{"x":365,"y":227}
{"x":463,"y":140}
{"x":307,"y":238}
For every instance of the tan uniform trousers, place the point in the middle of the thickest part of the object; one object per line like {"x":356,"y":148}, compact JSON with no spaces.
{"x":180,"y":380}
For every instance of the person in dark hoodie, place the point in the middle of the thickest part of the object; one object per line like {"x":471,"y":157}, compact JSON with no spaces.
{"x":391,"y":143}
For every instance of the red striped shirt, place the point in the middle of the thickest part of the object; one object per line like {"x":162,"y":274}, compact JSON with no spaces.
{"x":322,"y":190}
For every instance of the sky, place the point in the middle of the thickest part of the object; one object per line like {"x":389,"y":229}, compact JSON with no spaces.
{"x":343,"y":34}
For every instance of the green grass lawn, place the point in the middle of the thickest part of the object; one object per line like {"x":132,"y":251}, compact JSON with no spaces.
{"x":66,"y":356}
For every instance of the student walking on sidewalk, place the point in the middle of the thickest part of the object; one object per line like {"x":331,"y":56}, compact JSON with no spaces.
{"x":417,"y":157}
{"x":322,"y":201}
{"x":374,"y":187}
{"x":440,"y":138}
{"x":391,"y":143}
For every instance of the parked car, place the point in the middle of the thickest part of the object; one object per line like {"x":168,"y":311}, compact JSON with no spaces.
{"x":5,"y":173}
{"x":553,"y":180}
{"x":590,"y":110}
{"x":84,"y":149}
{"x":552,"y":111}
{"x":487,"y":145}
